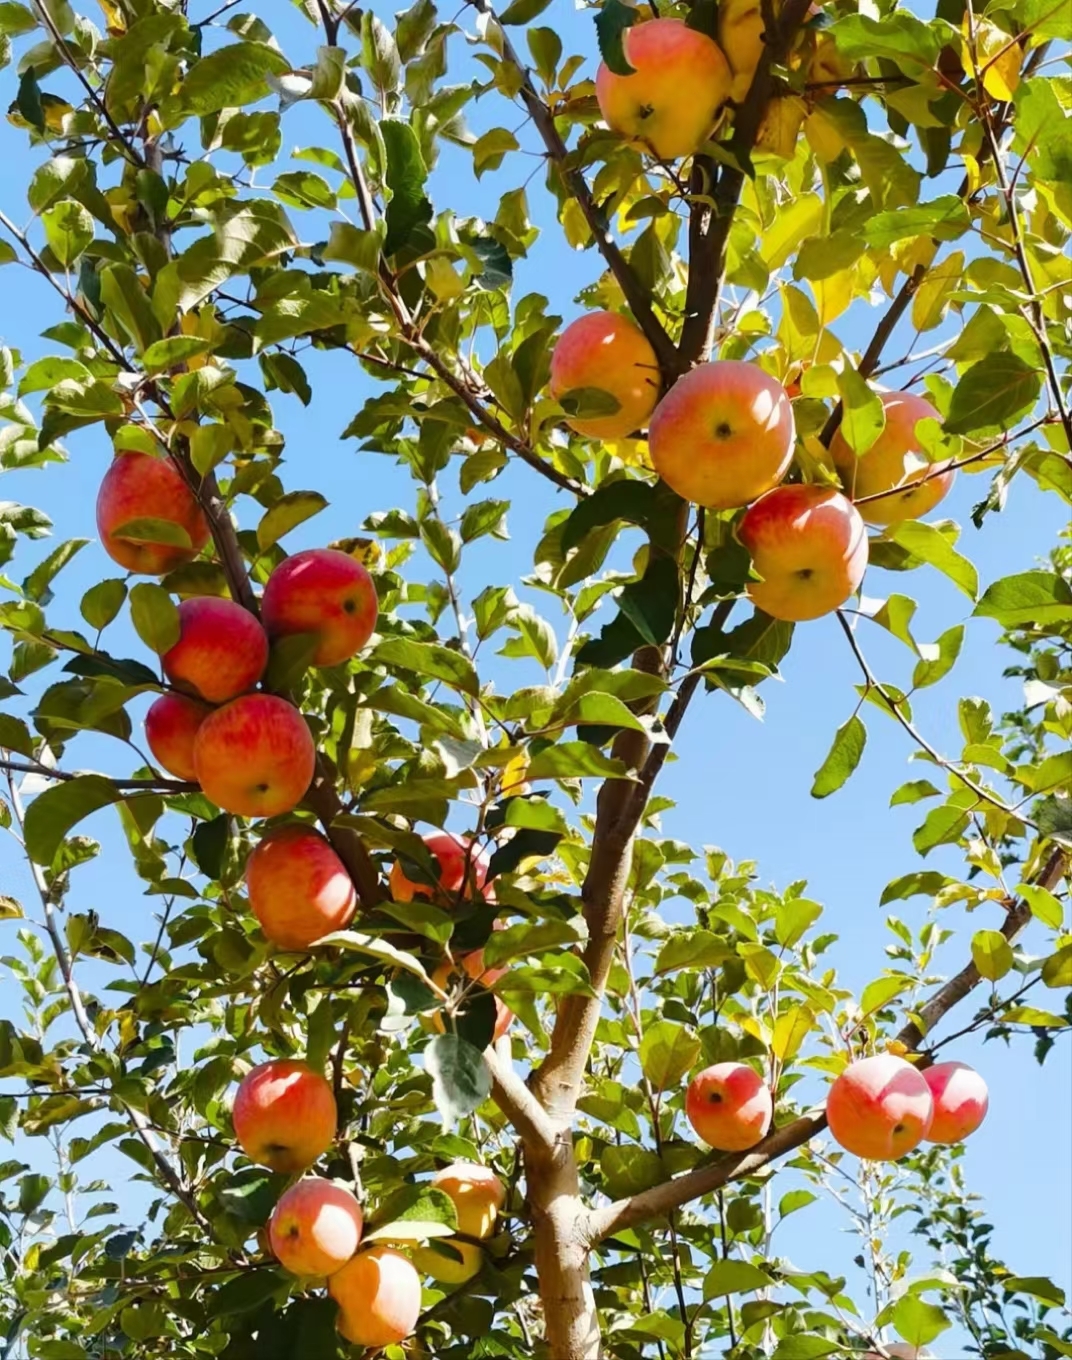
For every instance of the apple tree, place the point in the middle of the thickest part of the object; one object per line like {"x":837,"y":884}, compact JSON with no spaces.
{"x":415,"y":855}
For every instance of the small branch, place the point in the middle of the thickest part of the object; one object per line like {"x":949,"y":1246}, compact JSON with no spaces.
{"x":661,"y":1199}
{"x":522,"y":1109}
{"x":636,"y":294}
{"x":894,"y":707}
{"x":153,"y":785}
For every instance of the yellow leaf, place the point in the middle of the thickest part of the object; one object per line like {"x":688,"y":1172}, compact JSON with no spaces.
{"x":780,"y":127}
{"x":931,"y":302}
{"x":790,"y":1030}
{"x":440,"y":276}
{"x":832,"y":295}
{"x":632,"y":452}
{"x":997,"y":57}
{"x":794,"y":221}
{"x":823,"y":137}
{"x":513,"y":783}
{"x":574,"y":226}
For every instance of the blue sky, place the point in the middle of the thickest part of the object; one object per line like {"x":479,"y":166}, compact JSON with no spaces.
{"x":739,"y":784}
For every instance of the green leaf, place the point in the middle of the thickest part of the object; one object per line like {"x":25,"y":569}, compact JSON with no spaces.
{"x":46,"y":373}
{"x":54,"y":812}
{"x":376,"y":948}
{"x":943,"y":826}
{"x":573,"y":760}
{"x":913,"y":792}
{"x":245,"y":1292}
{"x":1045,"y":907}
{"x":612,"y":20}
{"x":28,"y":100}
{"x":489,"y":150}
{"x":993,"y":394}
{"x":694,"y":949}
{"x":917,"y":1321}
{"x":350,"y":245}
{"x":155,"y":617}
{"x":210,"y":445}
{"x":68,"y":230}
{"x":36,"y":585}
{"x":290,"y":510}
{"x":172,"y":351}
{"x":1037,"y":1286}
{"x":531,"y":937}
{"x":1029,"y":599}
{"x":930,"y":545}
{"x":16,"y":19}
{"x":413,"y":1213}
{"x":863,"y":416}
{"x":15,"y":735}
{"x":802,"y":1347}
{"x":938,"y":658}
{"x":460,"y":1079}
{"x":900,"y":36}
{"x":1057,"y":969}
{"x":523,"y":11}
{"x":230,"y":77}
{"x":632,"y":501}
{"x":734,"y":1277}
{"x":153,"y":531}
{"x":650,"y":604}
{"x":123,"y":296}
{"x":431,"y":661}
{"x":842,"y":758}
{"x":379,"y":54}
{"x":878,"y":994}
{"x":408,"y":207}
{"x":944,"y":218}
{"x":667,"y":1052}
{"x":992,"y":955}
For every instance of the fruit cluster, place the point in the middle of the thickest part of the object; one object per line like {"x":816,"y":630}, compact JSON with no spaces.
{"x":285,"y":1118}
{"x":250,"y":751}
{"x":723,"y":437}
{"x":879,"y":1108}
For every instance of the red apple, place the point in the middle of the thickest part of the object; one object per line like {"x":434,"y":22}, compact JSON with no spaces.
{"x":809,"y":545}
{"x":284,"y":1115}
{"x":880,"y":1108}
{"x":609,"y":353}
{"x":379,"y":1298}
{"x":723,"y":434}
{"x":463,"y":871}
{"x":221,"y":652}
{"x":315,"y":1227}
{"x":140,"y":487}
{"x":895,"y":459}
{"x":326,"y":592}
{"x":171,"y":725}
{"x":255,"y":757}
{"x":298,"y":887}
{"x":730,"y":1106}
{"x":680,"y":80}
{"x":960,"y":1099}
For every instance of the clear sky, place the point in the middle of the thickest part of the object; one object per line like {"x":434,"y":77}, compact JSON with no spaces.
{"x":739,"y":784}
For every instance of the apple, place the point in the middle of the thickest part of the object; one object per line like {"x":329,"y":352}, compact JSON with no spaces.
{"x":379,"y":1297}
{"x":478,"y":1195}
{"x":730,"y":1106}
{"x":315,"y":1227}
{"x":960,"y":1099}
{"x":680,"y":80}
{"x":472,"y":965}
{"x":255,"y":756}
{"x":880,"y":1108}
{"x":221,"y":652}
{"x":463,"y":872}
{"x":138,"y":486}
{"x":298,"y":887}
{"x":607,"y":352}
{"x":284,"y":1115}
{"x":326,"y":592}
{"x":809,"y":545}
{"x":740,"y":36}
{"x":171,"y":725}
{"x":895,"y":459}
{"x":723,"y":434}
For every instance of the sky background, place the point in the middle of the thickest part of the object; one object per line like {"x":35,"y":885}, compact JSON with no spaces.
{"x":739,"y":784}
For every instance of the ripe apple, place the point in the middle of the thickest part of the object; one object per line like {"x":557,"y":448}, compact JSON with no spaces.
{"x":315,"y":1227}
{"x":740,"y":36}
{"x":895,"y":459}
{"x":284,"y":1115}
{"x":879,"y":1108}
{"x":447,"y":972}
{"x":379,"y":1297}
{"x":478,"y":1195}
{"x":137,"y":487}
{"x":809,"y":545}
{"x":298,"y":887}
{"x":463,"y":871}
{"x":171,"y":725}
{"x":221,"y":652}
{"x":723,"y":434}
{"x":680,"y":81}
{"x":960,"y":1099}
{"x":730,"y":1106}
{"x":444,"y":1266}
{"x":255,"y":756}
{"x":326,"y":592}
{"x":607,"y":352}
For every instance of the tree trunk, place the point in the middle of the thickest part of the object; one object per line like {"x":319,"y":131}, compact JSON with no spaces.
{"x":571,"y":1322}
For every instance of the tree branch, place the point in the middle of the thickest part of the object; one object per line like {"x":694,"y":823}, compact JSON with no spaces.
{"x":711,"y":216}
{"x":636,"y":294}
{"x":153,"y":785}
{"x":655,"y":1203}
{"x":517,"y":1102}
